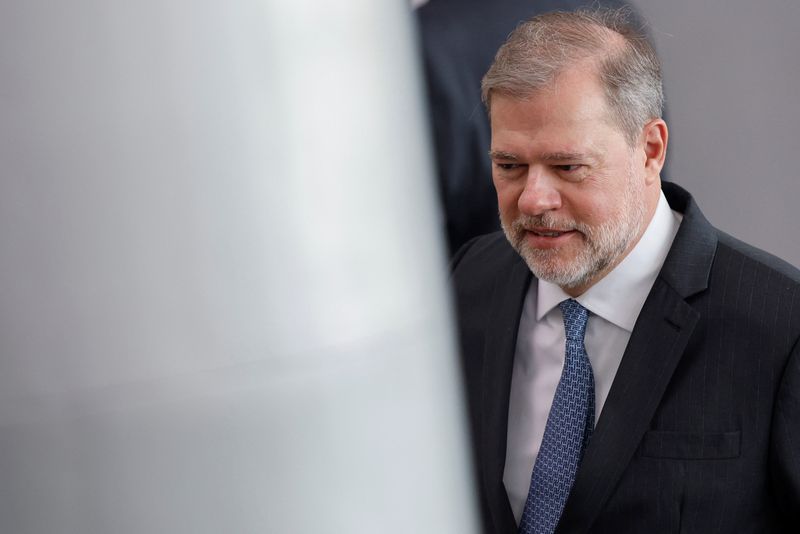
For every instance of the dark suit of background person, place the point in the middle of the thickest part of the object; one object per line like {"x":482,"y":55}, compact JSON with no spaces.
{"x":459,"y":41}
{"x":701,"y":429}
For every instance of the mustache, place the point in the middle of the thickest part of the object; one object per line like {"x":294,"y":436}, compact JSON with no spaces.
{"x":547,"y":221}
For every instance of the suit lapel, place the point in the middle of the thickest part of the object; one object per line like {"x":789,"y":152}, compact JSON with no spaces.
{"x":657,"y":343}
{"x":498,"y":358}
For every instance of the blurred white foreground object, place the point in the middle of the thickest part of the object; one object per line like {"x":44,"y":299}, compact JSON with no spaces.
{"x":221,"y":284}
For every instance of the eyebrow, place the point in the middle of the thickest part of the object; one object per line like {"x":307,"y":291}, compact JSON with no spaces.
{"x":548,"y":157}
{"x":566,"y":156}
{"x":499,"y":154}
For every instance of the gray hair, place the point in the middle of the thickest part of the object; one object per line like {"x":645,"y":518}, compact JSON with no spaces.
{"x":541,"y":48}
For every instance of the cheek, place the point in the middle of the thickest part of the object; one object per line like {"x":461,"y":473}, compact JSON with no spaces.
{"x":593,"y":209}
{"x":508,"y":191}
{"x":507,"y":199}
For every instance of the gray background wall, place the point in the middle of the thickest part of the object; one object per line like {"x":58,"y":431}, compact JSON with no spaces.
{"x":732,"y":79}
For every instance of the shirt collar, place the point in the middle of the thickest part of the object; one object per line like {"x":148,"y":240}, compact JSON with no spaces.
{"x":619,"y":296}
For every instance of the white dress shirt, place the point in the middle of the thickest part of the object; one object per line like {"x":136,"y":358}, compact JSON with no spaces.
{"x":614,"y":304}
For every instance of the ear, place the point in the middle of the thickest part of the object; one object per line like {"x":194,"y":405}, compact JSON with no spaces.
{"x":654,"y":139}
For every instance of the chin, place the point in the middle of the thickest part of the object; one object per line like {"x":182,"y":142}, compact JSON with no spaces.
{"x":566,"y":272}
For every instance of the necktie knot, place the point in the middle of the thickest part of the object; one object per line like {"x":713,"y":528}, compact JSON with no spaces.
{"x":575,"y":318}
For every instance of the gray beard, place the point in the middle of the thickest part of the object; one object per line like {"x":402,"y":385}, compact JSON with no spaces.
{"x":603,"y":245}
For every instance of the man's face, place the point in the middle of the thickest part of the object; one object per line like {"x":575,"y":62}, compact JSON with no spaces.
{"x":571,"y":191}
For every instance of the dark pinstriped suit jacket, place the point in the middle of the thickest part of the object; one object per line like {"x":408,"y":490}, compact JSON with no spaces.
{"x":701,"y":430}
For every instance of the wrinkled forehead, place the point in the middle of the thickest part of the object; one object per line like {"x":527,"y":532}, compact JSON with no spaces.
{"x":523,"y":88}
{"x":574,"y":93}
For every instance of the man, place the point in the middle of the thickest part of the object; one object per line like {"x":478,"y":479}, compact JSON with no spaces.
{"x":629,"y":367}
{"x":458,"y":41}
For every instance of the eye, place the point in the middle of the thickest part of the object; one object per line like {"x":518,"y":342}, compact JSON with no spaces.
{"x":568,"y":168}
{"x":572,"y":172}
{"x":507,"y":166}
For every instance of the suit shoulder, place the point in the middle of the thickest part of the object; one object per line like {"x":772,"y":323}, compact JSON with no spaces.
{"x":482,"y":252}
{"x":479,"y":265}
{"x":771,"y":268}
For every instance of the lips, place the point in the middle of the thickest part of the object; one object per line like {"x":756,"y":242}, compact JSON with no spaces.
{"x":547,"y":234}
{"x":543,"y":237}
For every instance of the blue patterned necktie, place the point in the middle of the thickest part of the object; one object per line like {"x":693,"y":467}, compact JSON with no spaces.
{"x":568,"y":430}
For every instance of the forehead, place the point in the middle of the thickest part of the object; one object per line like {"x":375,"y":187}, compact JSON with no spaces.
{"x":569,"y":114}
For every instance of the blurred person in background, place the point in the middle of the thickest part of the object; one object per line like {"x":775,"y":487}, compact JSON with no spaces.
{"x":629,"y":367}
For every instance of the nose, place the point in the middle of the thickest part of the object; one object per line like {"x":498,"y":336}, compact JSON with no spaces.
{"x":540,"y":194}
